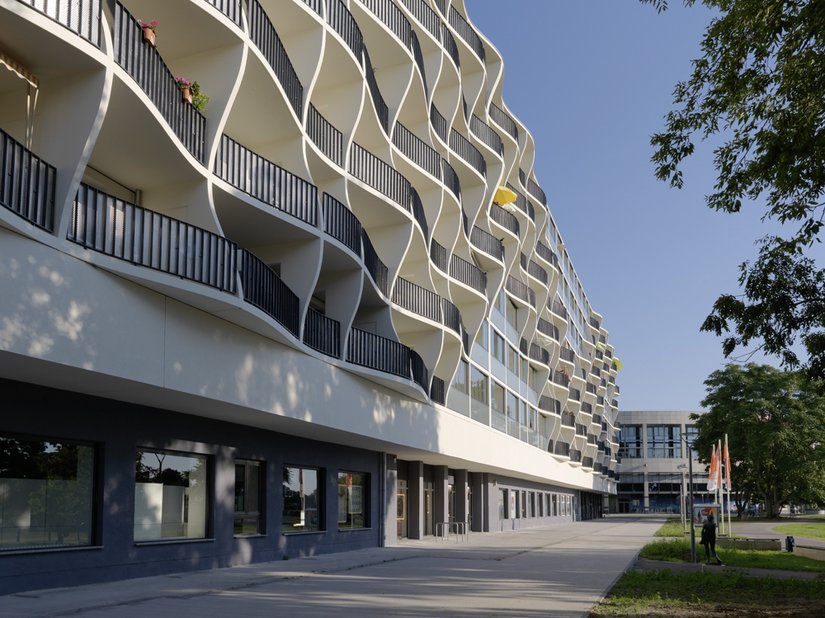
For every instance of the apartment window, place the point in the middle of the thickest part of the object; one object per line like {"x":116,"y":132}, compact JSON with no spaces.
{"x":691,"y":433}
{"x":478,"y":385}
{"x":498,"y":347}
{"x":664,"y":441}
{"x":302,"y":500}
{"x":460,"y":378}
{"x":481,"y":337}
{"x":47,"y":493}
{"x":630,"y":442}
{"x":512,"y":360}
{"x":171,"y":497}
{"x":249,"y":487}
{"x":526,"y":372}
{"x":498,"y":397}
{"x":353,"y":491}
{"x":501,"y":301}
{"x":512,"y":313}
{"x":512,"y":406}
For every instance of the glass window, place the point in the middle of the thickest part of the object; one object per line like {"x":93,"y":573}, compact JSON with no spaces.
{"x":481,"y":337}
{"x":512,"y":406}
{"x":478,"y":385}
{"x":248,"y":497}
{"x":525,"y":371}
{"x":512,"y":359}
{"x":512,"y":313}
{"x":541,"y":504}
{"x":503,"y":512}
{"x":171,"y":497}
{"x":498,"y":397}
{"x":501,"y":301}
{"x":555,"y":505}
{"x":498,"y":347}
{"x":353,"y":491}
{"x":691,"y":433}
{"x":524,"y":504}
{"x":302,"y":500}
{"x":46,"y":493}
{"x":630,"y":442}
{"x":664,"y":441}
{"x":460,"y":378}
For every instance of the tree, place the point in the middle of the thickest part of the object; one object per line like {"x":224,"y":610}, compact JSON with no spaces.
{"x":775,"y":422}
{"x":760,"y":87}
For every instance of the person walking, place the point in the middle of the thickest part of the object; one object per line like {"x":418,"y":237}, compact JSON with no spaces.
{"x":709,"y":539}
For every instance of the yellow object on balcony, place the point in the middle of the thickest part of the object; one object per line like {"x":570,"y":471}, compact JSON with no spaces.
{"x":618,"y":363}
{"x":504,"y":196}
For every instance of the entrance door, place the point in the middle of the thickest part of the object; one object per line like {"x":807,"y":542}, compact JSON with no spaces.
{"x":451,"y":502}
{"x":401,"y":516}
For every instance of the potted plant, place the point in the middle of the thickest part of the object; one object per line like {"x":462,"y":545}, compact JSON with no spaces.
{"x":149,"y":32}
{"x":199,"y":99}
{"x":185,"y":89}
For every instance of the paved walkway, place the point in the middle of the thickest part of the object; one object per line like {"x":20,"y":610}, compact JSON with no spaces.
{"x":555,"y":571}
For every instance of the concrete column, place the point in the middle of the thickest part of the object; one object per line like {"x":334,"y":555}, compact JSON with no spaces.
{"x":479,"y":511}
{"x":461,"y":494}
{"x":415,"y":499}
{"x":389,"y":507}
{"x":441,"y":494}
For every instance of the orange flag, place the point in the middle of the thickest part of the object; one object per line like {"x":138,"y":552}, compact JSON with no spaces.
{"x":713,"y":472}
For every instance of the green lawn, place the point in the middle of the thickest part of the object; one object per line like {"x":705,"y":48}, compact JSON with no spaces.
{"x":721,"y":593}
{"x":671,"y":528}
{"x":811,"y":530}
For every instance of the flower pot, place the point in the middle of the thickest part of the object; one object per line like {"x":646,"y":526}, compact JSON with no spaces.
{"x":149,"y":36}
{"x":186,"y":94}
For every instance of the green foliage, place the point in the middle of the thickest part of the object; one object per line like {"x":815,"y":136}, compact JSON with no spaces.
{"x":671,"y":550}
{"x":199,"y":99}
{"x":758,"y":87}
{"x":775,"y":421}
{"x":671,"y":528}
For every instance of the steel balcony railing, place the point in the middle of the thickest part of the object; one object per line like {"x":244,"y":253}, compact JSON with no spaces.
{"x":315,"y":5}
{"x":450,"y":316}
{"x":468,"y":273}
{"x":342,"y":21}
{"x":466,"y":32}
{"x":438,"y":390}
{"x":539,"y":354}
{"x":575,"y":394}
{"x":486,"y":134}
{"x":392,"y":17}
{"x":82,"y":17}
{"x":147,"y":68}
{"x":520,"y":290}
{"x":322,"y":333}
{"x":587,"y":462}
{"x":537,"y":272}
{"x":575,"y":456}
{"x":418,"y":211}
{"x":439,"y":122}
{"x":568,"y":355}
{"x":418,"y":370}
{"x":535,"y":190}
{"x":487,"y":243}
{"x":427,"y":17}
{"x":442,"y":6}
{"x":263,"y":34}
{"x":587,"y":408}
{"x":27,"y":183}
{"x":562,"y":448}
{"x":503,"y":119}
{"x":417,"y":150}
{"x":438,"y":254}
{"x":504,"y":219}
{"x":108,"y":225}
{"x":324,"y":135}
{"x":522,"y":177}
{"x":341,"y":223}
{"x":451,"y":181}
{"x":521,"y":201}
{"x":560,"y":378}
{"x":448,"y":41}
{"x":557,"y":308}
{"x":418,"y":56}
{"x":230,"y":8}
{"x":590,"y":388}
{"x":264,"y":289}
{"x":595,"y":324}
{"x":266,"y":181}
{"x":376,"y":268}
{"x":417,"y":299}
{"x":464,"y":149}
{"x":549,"y":404}
{"x":547,"y":254}
{"x":379,"y":353}
{"x":381,"y":107}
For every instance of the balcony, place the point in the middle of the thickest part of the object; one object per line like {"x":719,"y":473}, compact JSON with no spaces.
{"x":451,"y":181}
{"x":547,"y":254}
{"x":438,"y":255}
{"x":521,"y":202}
{"x":505,"y":219}
{"x":265,"y":181}
{"x":560,"y":378}
{"x":448,"y":41}
{"x":417,"y":150}
{"x":80,"y":16}
{"x":315,"y":5}
{"x":266,"y":39}
{"x":439,"y":123}
{"x":110,"y":226}
{"x":329,"y":140}
{"x":486,"y":134}
{"x":520,"y":290}
{"x":376,"y":268}
{"x":503,"y":119}
{"x":468,"y":273}
{"x":487,"y":243}
{"x":263,"y":288}
{"x":575,"y":456}
{"x":381,"y":107}
{"x":416,"y":299}
{"x":536,"y":190}
{"x":382,"y":354}
{"x":147,"y":68}
{"x":342,"y":21}
{"x":438,"y":391}
{"x":591,"y":388}
{"x":568,"y":355}
{"x":548,"y":404}
{"x":451,"y":316}
{"x":539,"y":354}
{"x":537,"y":272}
{"x":428,"y":18}
{"x":568,"y":420}
{"x":341,"y":224}
{"x":322,"y":333}
{"x":27,"y":183}
{"x":230,"y":8}
{"x":466,"y":32}
{"x":575,"y":394}
{"x":546,"y":328}
{"x":464,"y":149}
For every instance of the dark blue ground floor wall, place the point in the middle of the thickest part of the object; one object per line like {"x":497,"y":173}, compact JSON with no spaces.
{"x":117,"y":430}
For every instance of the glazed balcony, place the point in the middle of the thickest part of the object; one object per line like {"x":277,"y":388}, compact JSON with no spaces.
{"x":263,"y":34}
{"x":342,"y":21}
{"x":230,"y":8}
{"x":466,"y":32}
{"x":417,"y":150}
{"x":468,"y":273}
{"x":485,"y":133}
{"x":341,"y":224}
{"x":486,"y":242}
{"x":329,"y":140}
{"x":464,"y":149}
{"x":27,"y":183}
{"x":375,"y":267}
{"x":451,"y":181}
{"x":416,"y":299}
{"x":520,"y":290}
{"x":265,"y":181}
{"x":108,"y":225}
{"x":264,"y":289}
{"x":438,"y":122}
{"x":505,"y":219}
{"x":503,"y":119}
{"x":82,"y":17}
{"x":322,"y":333}
{"x":381,"y":107}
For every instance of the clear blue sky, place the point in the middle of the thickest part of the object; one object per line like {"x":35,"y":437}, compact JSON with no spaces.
{"x":592,"y":81}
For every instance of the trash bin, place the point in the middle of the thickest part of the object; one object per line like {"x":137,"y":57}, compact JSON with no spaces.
{"x":789,"y":543}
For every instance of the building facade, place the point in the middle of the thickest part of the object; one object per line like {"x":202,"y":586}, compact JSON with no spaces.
{"x":277,"y":279}
{"x":653,"y":473}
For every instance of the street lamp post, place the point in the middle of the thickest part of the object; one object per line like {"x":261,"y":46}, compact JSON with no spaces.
{"x":690,"y":491}
{"x":682,"y":496}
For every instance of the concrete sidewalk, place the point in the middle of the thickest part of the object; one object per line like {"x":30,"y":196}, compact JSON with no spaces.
{"x":555,"y":571}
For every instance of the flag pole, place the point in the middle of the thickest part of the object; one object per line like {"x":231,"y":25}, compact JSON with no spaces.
{"x":720,"y":492}
{"x":727,"y":472}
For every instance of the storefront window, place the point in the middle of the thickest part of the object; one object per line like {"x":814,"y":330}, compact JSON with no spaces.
{"x":302,"y":500}
{"x":248,"y":497}
{"x":170,"y":496}
{"x":46,"y":493}
{"x":352,"y":500}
